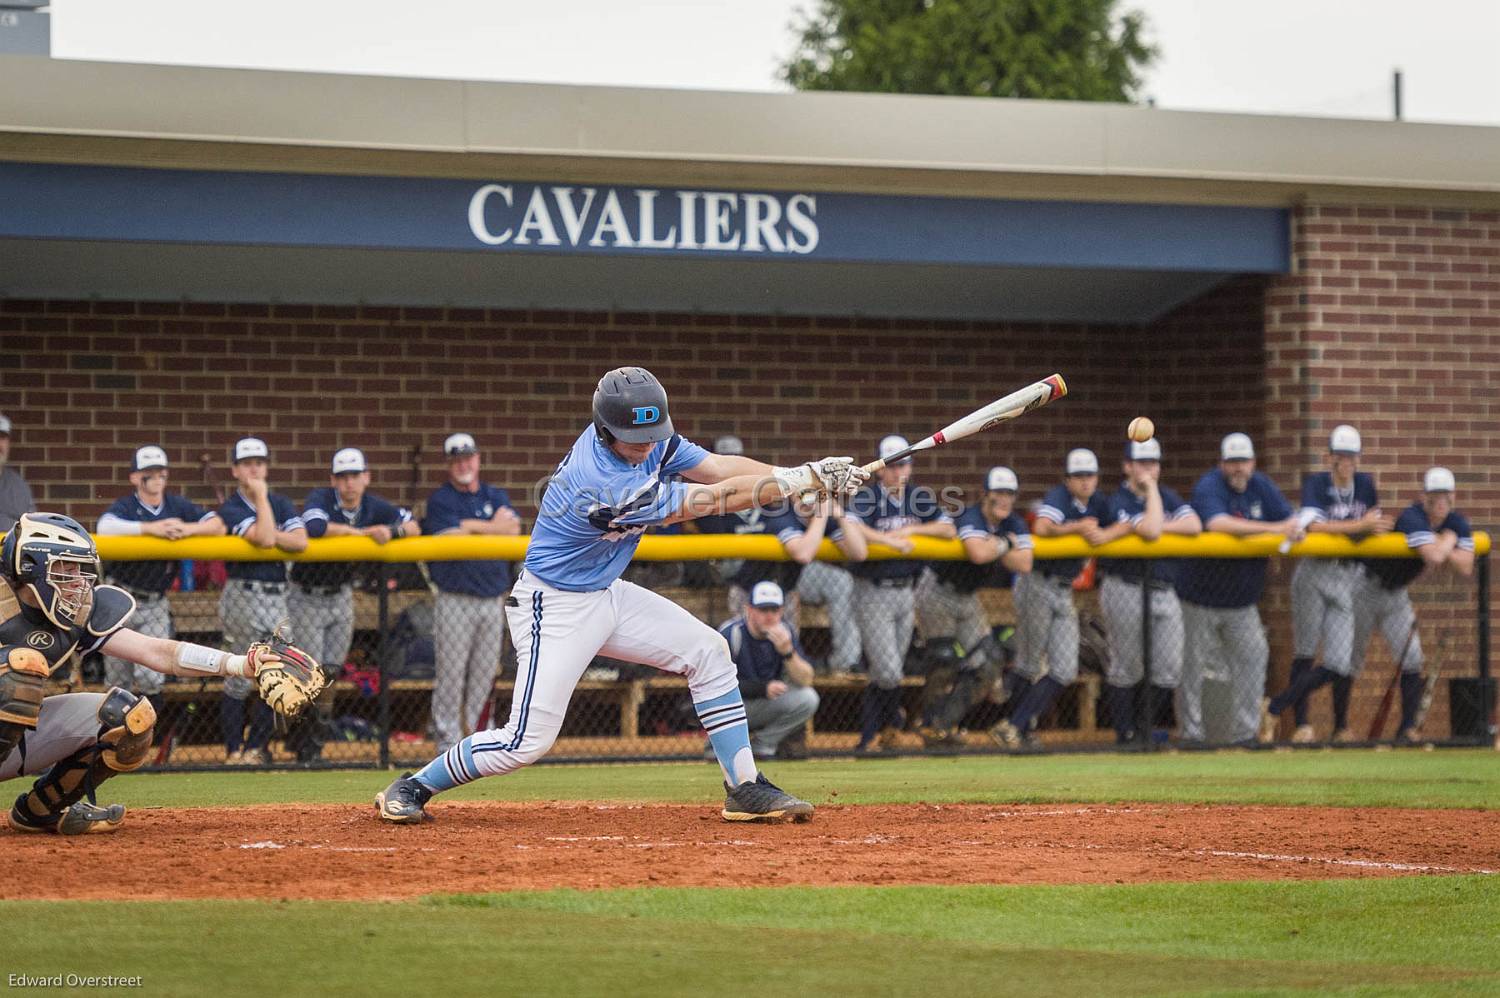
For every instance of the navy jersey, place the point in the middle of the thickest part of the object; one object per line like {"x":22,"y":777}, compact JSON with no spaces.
{"x":446,"y":507}
{"x":1132,"y":507}
{"x":965,"y":576}
{"x":789,"y":526}
{"x":1327,"y":501}
{"x":150,"y":576}
{"x":1230,"y":582}
{"x":239,"y":516}
{"x":30,"y":628}
{"x":756,"y":659}
{"x":1393,"y":573}
{"x":880,"y":510}
{"x":322,"y":508}
{"x":1059,"y":506}
{"x":749,"y":521}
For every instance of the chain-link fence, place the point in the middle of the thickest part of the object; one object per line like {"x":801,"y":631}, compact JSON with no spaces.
{"x":1134,"y":651}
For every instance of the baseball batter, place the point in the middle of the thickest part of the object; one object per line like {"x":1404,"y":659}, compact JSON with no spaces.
{"x":626,"y":472}
{"x":1046,"y":619}
{"x":1342,"y":501}
{"x":1220,"y":596}
{"x":1152,"y":510}
{"x":51,"y":610}
{"x":1441,"y":535}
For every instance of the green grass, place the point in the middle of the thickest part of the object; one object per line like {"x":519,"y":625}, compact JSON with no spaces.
{"x":1352,"y":778}
{"x":1408,"y":936}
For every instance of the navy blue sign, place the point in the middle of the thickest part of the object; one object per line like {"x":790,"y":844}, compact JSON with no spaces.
{"x":194,"y":206}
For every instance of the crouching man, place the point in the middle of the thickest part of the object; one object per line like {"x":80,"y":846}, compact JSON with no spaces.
{"x":775,"y":677}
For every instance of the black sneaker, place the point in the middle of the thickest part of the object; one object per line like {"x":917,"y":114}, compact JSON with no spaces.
{"x":403,"y":801}
{"x":82,"y":818}
{"x":763,"y":801}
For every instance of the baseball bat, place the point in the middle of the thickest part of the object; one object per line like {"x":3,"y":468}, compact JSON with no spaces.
{"x":1377,"y":726}
{"x":1429,"y":687}
{"x":1015,"y":404}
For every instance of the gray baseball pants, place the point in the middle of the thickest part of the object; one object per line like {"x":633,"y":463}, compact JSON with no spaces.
{"x":833,"y":587}
{"x":771,"y":720}
{"x":1046,"y":629}
{"x":1391,"y":611}
{"x":886,"y":617}
{"x":1323,"y":591}
{"x":1120,"y":604}
{"x":1227,"y":644}
{"x":66,"y":723}
{"x":153,"y":618}
{"x":468,"y":635}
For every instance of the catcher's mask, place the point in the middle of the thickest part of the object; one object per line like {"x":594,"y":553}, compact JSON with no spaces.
{"x":55,"y":558}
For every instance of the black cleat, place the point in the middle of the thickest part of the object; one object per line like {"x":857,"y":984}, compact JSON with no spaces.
{"x":763,"y":801}
{"x":81,"y":818}
{"x":403,"y":801}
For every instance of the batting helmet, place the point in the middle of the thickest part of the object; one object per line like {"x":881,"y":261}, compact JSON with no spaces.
{"x":631,"y":405}
{"x":54,"y":557}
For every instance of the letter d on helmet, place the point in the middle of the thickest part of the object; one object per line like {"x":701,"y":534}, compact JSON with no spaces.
{"x":631,"y":405}
{"x":55,"y":558}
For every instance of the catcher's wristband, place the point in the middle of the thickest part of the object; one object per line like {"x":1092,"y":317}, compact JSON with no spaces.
{"x":189,"y":659}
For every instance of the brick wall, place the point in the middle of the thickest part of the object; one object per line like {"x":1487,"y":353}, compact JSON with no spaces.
{"x":87,"y":382}
{"x":1391,"y":322}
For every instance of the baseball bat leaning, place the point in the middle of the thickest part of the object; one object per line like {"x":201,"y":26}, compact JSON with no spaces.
{"x":1015,"y":404}
{"x":1377,"y":726}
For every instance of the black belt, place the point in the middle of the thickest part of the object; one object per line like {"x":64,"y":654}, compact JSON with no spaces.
{"x":1156,"y":584}
{"x":323,"y":590}
{"x":256,"y":586}
{"x":905,"y":582}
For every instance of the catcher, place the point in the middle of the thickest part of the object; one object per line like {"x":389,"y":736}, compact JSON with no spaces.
{"x":51,"y":611}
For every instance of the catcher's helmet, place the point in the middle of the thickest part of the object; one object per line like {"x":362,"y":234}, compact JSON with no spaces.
{"x":631,"y":405}
{"x":54,"y":557}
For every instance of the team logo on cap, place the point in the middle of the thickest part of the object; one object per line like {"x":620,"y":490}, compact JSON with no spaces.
{"x":646,"y":415}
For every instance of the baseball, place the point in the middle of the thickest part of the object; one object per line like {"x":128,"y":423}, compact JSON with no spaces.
{"x":1141,"y":429}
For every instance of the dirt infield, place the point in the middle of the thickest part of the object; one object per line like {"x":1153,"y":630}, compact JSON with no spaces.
{"x":341,"y":851}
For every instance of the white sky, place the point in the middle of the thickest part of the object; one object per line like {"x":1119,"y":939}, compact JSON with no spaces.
{"x":1324,"y":57}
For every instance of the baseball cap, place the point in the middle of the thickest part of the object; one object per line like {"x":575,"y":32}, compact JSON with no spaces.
{"x":347,"y":460}
{"x":1001,"y":479}
{"x":1081,"y":461}
{"x":459,"y":444}
{"x":250,"y":447}
{"x":1143,"y":450}
{"x":894,"y":444}
{"x":4,"y":425}
{"x":149,"y":456}
{"x":1438,"y":480}
{"x":766,"y":595}
{"x":1236,"y":447}
{"x":730,"y":444}
{"x":1344,"y":440}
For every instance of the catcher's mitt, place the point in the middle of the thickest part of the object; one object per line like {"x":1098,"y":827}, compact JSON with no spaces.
{"x":289,"y":678}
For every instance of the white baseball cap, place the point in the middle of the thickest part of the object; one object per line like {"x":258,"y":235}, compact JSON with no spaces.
{"x":1001,"y":479}
{"x":765,"y":595}
{"x":1081,"y":461}
{"x":1344,"y":440}
{"x":1143,"y":450}
{"x":730,"y":444}
{"x":1236,"y":447}
{"x":347,"y":460}
{"x":459,"y":444}
{"x":250,"y":447}
{"x":1438,"y":480}
{"x":4,"y":425}
{"x":894,"y":444}
{"x":149,"y":456}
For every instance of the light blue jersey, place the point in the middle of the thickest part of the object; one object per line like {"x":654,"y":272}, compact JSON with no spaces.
{"x":598,"y":505}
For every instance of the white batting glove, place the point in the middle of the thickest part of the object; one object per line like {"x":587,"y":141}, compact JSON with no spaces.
{"x":840,"y":475}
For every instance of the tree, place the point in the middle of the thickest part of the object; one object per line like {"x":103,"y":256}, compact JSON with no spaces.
{"x":1043,"y":49}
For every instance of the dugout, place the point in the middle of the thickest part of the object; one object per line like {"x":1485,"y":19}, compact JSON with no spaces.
{"x":188,"y":255}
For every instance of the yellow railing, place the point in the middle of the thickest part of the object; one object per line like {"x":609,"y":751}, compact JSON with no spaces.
{"x":759,"y":547}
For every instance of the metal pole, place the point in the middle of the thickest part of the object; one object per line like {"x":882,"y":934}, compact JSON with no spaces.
{"x":1146,"y":713}
{"x":1396,"y":92}
{"x":1483,"y":597}
{"x":383,"y":624}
